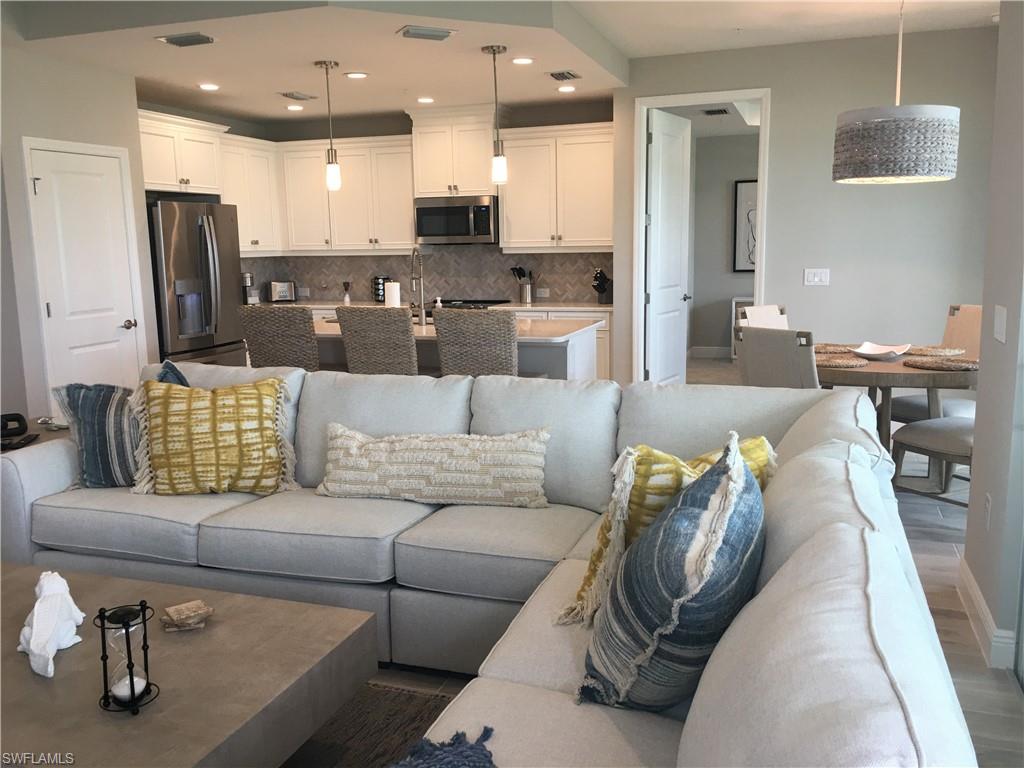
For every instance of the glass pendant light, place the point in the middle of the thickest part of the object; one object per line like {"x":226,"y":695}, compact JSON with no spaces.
{"x":901,"y":144}
{"x":499,"y":163}
{"x":333,"y":169}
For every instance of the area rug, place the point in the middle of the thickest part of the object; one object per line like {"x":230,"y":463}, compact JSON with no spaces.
{"x":377,"y":728}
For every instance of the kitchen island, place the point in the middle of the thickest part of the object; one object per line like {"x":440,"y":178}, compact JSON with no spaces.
{"x":558,"y":349}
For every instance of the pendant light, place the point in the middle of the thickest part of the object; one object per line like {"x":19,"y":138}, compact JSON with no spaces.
{"x":499,"y":163}
{"x":901,"y":144}
{"x":333,"y":169}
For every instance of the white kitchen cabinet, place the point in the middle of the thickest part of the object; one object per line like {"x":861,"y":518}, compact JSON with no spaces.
{"x":528,"y":200}
{"x":452,"y":151}
{"x":394,"y":222}
{"x":179,"y":154}
{"x":307,"y":214}
{"x":351,"y":206}
{"x":472,"y":150}
{"x":585,"y":191}
{"x":432,"y":160}
{"x":249,"y":182}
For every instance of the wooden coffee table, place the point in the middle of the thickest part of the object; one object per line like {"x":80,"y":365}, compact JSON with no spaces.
{"x":247,"y":690}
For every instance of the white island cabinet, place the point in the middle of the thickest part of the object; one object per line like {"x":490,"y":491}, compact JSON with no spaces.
{"x":179,"y":154}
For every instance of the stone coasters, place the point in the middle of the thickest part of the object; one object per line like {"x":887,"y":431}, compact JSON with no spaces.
{"x":933,"y":351}
{"x":186,"y":617}
{"x":832,"y":349}
{"x":942,"y":363}
{"x":840,"y":361}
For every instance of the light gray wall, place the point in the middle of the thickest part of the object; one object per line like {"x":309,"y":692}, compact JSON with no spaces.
{"x":908,"y":249}
{"x":52,"y":99}
{"x":993,"y":547}
{"x":721,"y":161}
{"x":12,"y":371}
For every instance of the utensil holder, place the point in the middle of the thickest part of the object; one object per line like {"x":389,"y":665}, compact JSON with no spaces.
{"x":526,"y":293}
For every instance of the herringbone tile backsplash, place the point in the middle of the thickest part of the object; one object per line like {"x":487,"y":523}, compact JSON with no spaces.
{"x":458,"y":271}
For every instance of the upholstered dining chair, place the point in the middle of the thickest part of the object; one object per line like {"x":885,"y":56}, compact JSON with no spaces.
{"x":764,"y":316}
{"x":963,"y":331}
{"x":776,"y":357}
{"x":378,"y":339}
{"x":477,"y":342}
{"x":948,"y":439}
{"x":280,"y":335}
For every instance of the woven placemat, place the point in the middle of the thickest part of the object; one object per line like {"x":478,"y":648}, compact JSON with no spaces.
{"x":840,"y":361}
{"x":934,"y":351}
{"x":832,"y":349}
{"x":942,"y":363}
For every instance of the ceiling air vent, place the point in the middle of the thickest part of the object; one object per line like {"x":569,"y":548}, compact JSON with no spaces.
{"x":297,"y":96}
{"x":425,"y":33}
{"x":715,"y":112}
{"x":563,"y":75}
{"x":186,"y":39}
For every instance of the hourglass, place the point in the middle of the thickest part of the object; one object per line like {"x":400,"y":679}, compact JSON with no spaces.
{"x":122,"y":630}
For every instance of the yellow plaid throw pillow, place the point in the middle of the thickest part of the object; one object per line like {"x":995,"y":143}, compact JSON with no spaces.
{"x":646,"y":479}
{"x":213,"y":441}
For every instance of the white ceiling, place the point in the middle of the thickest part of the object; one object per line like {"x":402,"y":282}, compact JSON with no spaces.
{"x":641,"y":29}
{"x":703,"y":126}
{"x":257,"y":57}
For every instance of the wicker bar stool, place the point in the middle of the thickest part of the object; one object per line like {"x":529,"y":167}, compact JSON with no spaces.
{"x":477,"y":342}
{"x":378,"y":339}
{"x":280,"y":336}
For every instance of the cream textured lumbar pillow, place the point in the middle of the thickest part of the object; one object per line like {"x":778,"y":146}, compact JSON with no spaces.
{"x":500,"y":470}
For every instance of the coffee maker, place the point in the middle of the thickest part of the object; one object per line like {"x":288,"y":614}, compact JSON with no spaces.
{"x":250,"y":291}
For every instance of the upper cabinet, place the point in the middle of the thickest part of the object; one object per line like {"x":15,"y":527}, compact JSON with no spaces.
{"x":452,"y":151}
{"x":248,"y":171}
{"x":179,"y":154}
{"x":394,"y":222}
{"x":306,"y":209}
{"x":559,"y":190}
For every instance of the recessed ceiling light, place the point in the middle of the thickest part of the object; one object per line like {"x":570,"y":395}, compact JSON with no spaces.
{"x":566,"y":88}
{"x":522,"y":60}
{"x":294,"y":107}
{"x":356,"y":75}
{"x":425,"y":100}
{"x":209,"y":87}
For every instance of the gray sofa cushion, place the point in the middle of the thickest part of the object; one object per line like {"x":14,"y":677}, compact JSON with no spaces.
{"x":302,"y":534}
{"x":581,"y":417}
{"x":534,"y":726}
{"x":116,"y":522}
{"x":212,"y":376}
{"x":377,"y":406}
{"x":689,"y":419}
{"x":499,"y":552}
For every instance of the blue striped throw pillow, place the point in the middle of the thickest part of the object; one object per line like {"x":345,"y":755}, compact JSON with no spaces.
{"x":106,"y":431}
{"x":677,"y":588}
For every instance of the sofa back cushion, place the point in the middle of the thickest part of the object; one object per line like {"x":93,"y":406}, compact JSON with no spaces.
{"x":579,"y":415}
{"x":213,"y":376}
{"x":689,"y":419}
{"x":377,"y":406}
{"x":831,"y":664}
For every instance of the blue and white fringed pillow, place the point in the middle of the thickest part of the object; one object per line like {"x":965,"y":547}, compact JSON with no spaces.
{"x":677,"y":589}
{"x":105,"y":430}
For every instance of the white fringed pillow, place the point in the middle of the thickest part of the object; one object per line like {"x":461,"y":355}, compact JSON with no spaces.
{"x":498,"y":470}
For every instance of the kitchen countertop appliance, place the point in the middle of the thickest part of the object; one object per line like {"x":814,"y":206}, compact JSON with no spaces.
{"x":281,"y":290}
{"x":194,"y":244}
{"x":456,"y":220}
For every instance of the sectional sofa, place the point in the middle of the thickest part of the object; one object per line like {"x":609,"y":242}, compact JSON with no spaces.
{"x":834,"y":661}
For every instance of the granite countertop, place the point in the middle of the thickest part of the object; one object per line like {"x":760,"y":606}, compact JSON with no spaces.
{"x":529,"y":331}
{"x":539,"y":306}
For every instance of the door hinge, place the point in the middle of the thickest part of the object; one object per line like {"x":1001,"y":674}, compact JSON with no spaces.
{"x":48,"y":312}
{"x":650,"y":137}
{"x":35,"y":181}
{"x":647,"y":219}
{"x":647,"y":375}
{"x":647,"y":298}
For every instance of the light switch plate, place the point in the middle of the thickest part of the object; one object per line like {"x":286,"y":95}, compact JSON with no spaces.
{"x":543,"y":293}
{"x":302,"y":291}
{"x":816,"y":277}
{"x":999,"y":323}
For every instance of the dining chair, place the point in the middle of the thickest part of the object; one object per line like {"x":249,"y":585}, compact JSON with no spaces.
{"x":948,"y":439}
{"x":477,"y":342}
{"x":963,"y":331}
{"x":280,"y":336}
{"x":378,"y":339}
{"x":776,"y":357}
{"x":764,"y":316}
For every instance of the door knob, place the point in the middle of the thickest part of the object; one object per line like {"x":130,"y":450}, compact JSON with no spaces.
{"x":129,"y":324}
{"x":686,"y":297}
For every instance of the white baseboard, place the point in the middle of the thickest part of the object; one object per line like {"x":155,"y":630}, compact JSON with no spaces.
{"x":710,"y":353}
{"x":998,"y":646}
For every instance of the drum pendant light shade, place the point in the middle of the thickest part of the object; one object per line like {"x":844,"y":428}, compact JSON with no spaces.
{"x":896,"y":145}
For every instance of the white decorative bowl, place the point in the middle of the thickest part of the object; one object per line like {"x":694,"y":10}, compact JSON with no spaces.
{"x":870,"y":351}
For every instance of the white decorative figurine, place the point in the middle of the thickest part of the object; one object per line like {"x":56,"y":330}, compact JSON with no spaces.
{"x":51,"y":625}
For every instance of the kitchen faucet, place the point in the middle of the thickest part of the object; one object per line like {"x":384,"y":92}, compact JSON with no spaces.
{"x":416,"y":266}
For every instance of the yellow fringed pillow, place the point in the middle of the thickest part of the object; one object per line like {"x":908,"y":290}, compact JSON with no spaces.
{"x":646,"y":479}
{"x":213,"y":440}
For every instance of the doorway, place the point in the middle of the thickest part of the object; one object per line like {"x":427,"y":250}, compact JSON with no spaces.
{"x":689,"y":266}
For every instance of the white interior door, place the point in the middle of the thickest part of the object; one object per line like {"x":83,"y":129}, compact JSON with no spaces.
{"x":81,"y":235}
{"x":667,"y":252}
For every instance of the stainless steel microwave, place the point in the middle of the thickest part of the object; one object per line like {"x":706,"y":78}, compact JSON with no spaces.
{"x":456,"y":220}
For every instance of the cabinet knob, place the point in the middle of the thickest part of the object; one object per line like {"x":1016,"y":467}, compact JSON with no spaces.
{"x":181,"y":180}
{"x":188,"y":181}
{"x":327,"y":241}
{"x":456,"y":187}
{"x":559,"y":237}
{"x":449,"y":187}
{"x":376,"y":241}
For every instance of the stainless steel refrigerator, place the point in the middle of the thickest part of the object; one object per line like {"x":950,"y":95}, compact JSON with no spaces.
{"x":199,"y":279}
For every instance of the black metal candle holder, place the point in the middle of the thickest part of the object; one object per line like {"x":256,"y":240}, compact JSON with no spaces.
{"x":125,"y":619}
